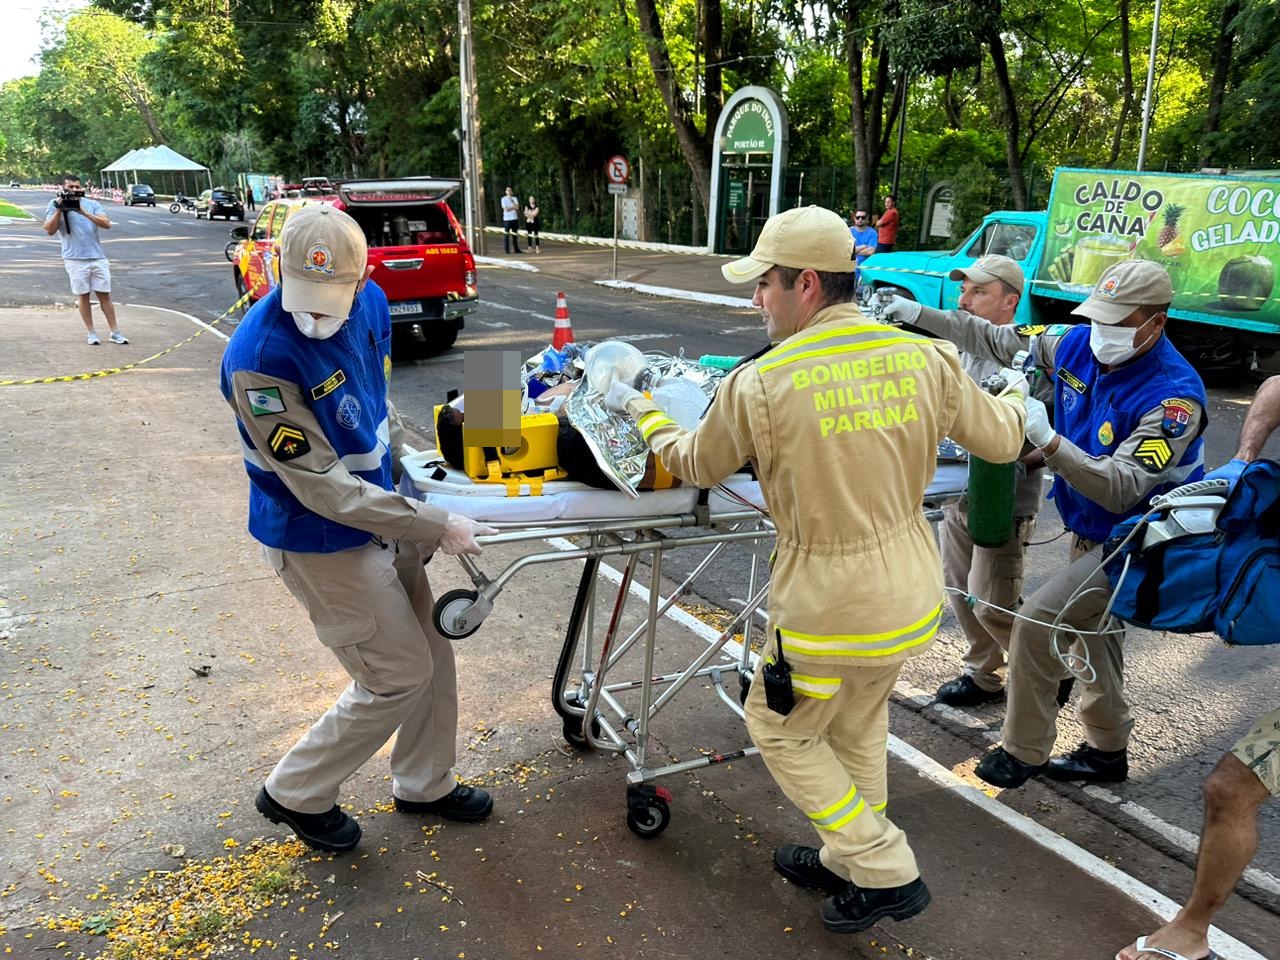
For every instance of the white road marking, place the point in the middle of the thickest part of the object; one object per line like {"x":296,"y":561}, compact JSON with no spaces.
{"x":753,"y":328}
{"x":634,"y":337}
{"x":186,"y":316}
{"x":1226,"y":946}
{"x":509,"y":264}
{"x":138,"y":223}
{"x":673,"y":293}
{"x":528,"y":313}
{"x":496,"y":324}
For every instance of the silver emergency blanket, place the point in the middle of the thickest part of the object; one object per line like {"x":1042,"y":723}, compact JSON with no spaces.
{"x":613,"y":438}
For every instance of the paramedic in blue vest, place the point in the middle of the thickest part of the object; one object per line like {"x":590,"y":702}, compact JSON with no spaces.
{"x":1128,"y":414}
{"x":307,"y":373}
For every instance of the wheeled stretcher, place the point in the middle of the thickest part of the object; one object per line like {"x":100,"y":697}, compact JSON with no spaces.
{"x":572,"y":521}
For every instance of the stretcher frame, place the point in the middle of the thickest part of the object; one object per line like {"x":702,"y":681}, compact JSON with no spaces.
{"x":592,"y":713}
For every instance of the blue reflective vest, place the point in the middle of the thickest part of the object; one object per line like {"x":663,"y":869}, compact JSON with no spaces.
{"x":343,"y":381}
{"x":1086,"y":401}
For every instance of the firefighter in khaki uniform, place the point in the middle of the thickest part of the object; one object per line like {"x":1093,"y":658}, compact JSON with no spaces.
{"x":307,"y":373}
{"x":841,"y":419}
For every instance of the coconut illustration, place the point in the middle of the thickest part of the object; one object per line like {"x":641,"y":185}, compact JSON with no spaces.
{"x":1245,"y":283}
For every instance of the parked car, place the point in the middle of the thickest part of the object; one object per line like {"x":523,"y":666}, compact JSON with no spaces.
{"x":14,"y":183}
{"x":420,"y":258}
{"x":219,"y":202}
{"x":138,"y":193}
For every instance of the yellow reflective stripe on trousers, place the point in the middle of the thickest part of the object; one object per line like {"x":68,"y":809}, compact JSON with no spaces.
{"x":820,"y":688}
{"x":832,"y":342}
{"x":651,"y":421}
{"x":879,"y":807}
{"x":863,"y":644}
{"x":838,"y":814}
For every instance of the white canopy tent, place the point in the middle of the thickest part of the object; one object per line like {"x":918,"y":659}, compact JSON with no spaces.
{"x":160,"y":166}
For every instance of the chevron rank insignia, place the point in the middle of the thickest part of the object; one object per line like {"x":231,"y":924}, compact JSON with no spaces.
{"x":289,"y":443}
{"x":1154,"y":454}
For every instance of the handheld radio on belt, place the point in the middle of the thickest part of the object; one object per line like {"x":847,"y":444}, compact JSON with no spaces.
{"x":778,"y":694}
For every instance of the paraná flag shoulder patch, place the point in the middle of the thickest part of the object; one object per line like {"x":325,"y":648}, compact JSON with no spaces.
{"x":288,"y":442}
{"x":1154,"y":454}
{"x":1030,"y":329}
{"x":265,"y":400}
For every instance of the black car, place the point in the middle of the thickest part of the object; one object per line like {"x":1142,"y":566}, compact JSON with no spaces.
{"x":219,"y":202}
{"x":139,"y":193}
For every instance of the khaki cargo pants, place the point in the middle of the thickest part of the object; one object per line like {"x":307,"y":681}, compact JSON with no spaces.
{"x":1030,"y":724}
{"x":829,"y":757}
{"x":993,"y":574}
{"x":371,"y":606}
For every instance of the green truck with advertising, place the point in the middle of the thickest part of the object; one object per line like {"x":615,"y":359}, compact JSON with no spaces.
{"x":1218,"y":236}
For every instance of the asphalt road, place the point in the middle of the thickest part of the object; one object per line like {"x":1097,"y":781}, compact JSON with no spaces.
{"x":1191,"y":696}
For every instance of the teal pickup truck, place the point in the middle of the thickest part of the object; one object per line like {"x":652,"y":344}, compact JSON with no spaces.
{"x":1218,"y":236}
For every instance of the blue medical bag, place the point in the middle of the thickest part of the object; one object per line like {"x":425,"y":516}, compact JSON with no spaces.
{"x":1187,"y":571}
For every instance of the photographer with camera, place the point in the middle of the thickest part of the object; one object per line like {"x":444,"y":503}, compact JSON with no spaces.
{"x":76,"y":219}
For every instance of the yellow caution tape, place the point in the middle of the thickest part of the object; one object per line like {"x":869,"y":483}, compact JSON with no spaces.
{"x":130,"y":366}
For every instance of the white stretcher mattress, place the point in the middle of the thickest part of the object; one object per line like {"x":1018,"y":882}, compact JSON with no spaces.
{"x":571,"y":500}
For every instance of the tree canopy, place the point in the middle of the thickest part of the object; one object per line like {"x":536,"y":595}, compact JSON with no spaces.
{"x":370,"y":88}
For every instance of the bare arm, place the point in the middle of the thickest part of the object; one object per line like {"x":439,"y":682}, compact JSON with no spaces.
{"x":52,"y":223}
{"x":1263,"y":418}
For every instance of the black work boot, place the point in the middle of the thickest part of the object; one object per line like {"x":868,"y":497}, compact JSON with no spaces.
{"x":1090,"y":765}
{"x":964,"y":691}
{"x":463,"y":804}
{"x":858,"y":908}
{"x":332,"y":831}
{"x":803,"y":866}
{"x":1002,"y":769}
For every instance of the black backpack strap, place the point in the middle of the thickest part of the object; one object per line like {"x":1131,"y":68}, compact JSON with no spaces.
{"x":1146,"y":599}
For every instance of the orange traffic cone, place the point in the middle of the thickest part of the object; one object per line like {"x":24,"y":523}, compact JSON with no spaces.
{"x":563,"y":333}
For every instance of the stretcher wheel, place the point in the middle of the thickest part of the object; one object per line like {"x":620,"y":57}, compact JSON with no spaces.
{"x":648,"y":810}
{"x":572,"y":731}
{"x":449,"y":608}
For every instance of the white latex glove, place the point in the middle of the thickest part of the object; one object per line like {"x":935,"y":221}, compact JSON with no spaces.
{"x":900,"y":310}
{"x":618,"y":394}
{"x":1015,"y":380}
{"x":460,"y":535}
{"x":1039,"y":430}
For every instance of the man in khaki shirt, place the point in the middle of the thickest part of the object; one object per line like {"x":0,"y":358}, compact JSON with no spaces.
{"x":841,"y":420}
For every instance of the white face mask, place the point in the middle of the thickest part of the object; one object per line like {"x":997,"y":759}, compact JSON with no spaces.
{"x":318,"y":327}
{"x":1114,"y":345}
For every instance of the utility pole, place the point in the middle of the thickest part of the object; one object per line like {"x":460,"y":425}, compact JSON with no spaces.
{"x":1151,"y":82}
{"x":472,"y":166}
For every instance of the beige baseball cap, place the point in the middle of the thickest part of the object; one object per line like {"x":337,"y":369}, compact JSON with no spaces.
{"x":991,"y":267}
{"x":323,"y":254}
{"x":1124,"y":287}
{"x":812,"y":238}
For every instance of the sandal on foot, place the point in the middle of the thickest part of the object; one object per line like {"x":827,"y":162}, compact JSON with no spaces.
{"x":1143,"y":947}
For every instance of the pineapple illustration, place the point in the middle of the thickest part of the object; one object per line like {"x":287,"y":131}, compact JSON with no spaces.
{"x":1169,"y":232}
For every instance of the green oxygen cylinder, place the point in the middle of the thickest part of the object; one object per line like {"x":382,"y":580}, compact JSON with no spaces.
{"x":991,"y":486}
{"x":713,"y":360}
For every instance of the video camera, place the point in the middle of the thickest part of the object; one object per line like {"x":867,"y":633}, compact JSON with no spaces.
{"x":69,"y":198}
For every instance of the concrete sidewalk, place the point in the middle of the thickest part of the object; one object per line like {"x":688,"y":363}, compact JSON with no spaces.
{"x":152,"y":669}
